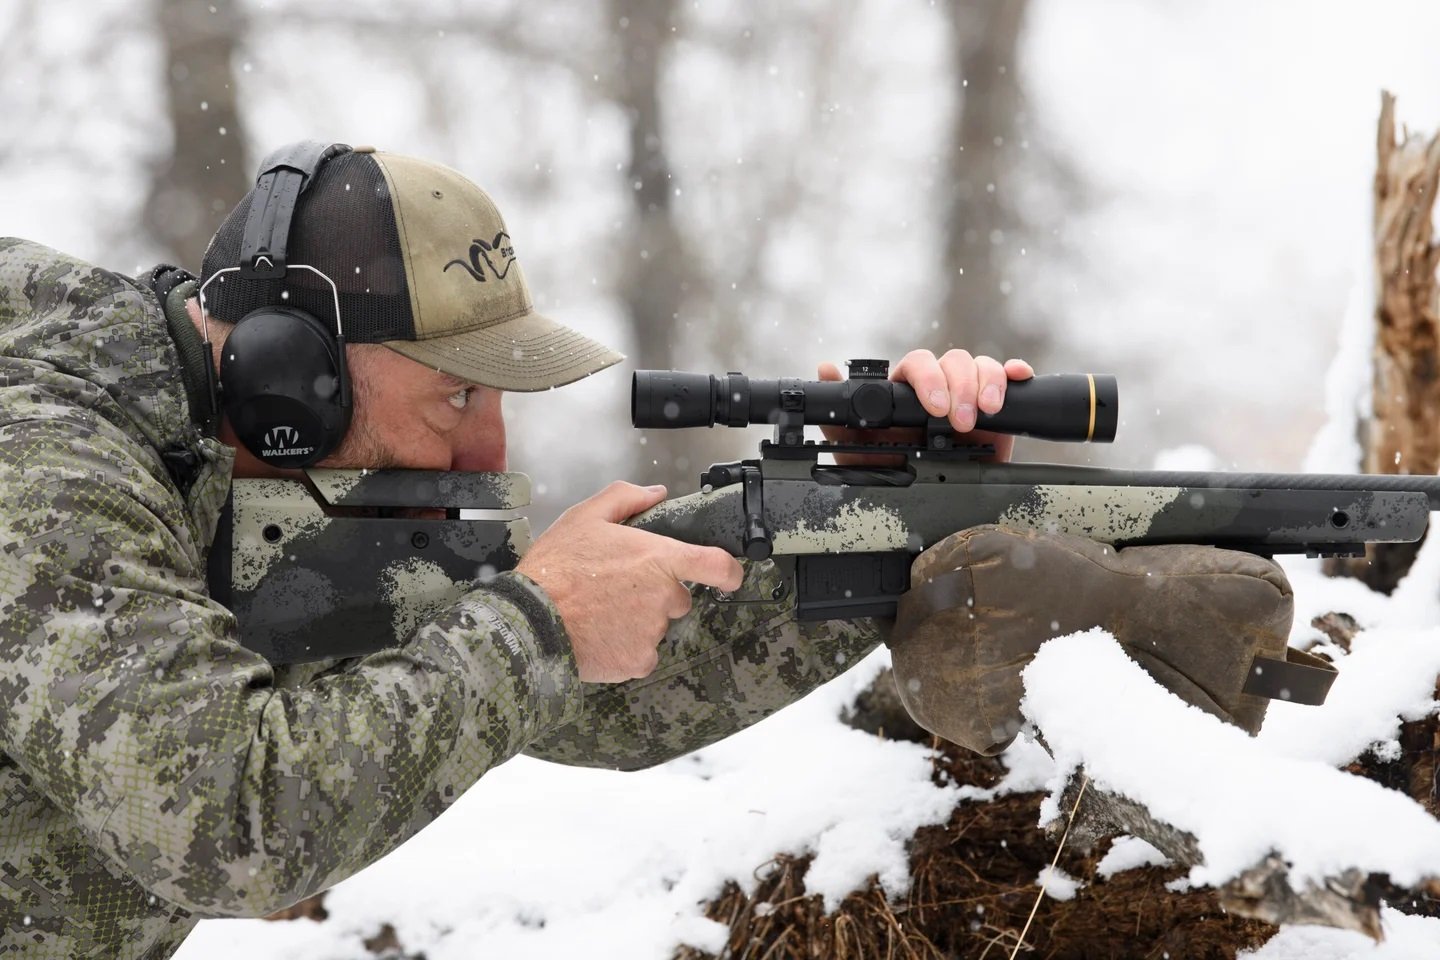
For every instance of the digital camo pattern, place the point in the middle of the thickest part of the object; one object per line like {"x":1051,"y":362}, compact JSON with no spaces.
{"x":421,"y":488}
{"x":152,"y":770}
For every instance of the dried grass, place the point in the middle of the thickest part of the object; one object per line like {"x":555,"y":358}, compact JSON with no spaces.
{"x":973,"y":885}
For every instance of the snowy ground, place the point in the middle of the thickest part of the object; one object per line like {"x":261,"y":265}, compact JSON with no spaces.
{"x":545,"y":861}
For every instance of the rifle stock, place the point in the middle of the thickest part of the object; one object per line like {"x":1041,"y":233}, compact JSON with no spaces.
{"x":849,"y":534}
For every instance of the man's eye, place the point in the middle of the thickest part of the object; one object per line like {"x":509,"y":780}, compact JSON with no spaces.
{"x":459,"y":399}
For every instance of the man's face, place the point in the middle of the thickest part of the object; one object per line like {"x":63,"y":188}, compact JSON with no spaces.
{"x":411,"y":416}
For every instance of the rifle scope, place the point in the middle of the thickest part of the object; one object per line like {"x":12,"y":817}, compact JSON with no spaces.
{"x":1061,"y":406}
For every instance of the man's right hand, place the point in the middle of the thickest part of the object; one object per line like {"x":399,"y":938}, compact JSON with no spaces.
{"x":618,"y":588}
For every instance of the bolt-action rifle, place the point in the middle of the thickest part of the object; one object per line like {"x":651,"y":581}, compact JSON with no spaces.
{"x":847,"y":534}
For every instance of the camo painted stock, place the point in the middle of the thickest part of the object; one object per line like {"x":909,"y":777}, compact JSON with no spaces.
{"x":421,"y":488}
{"x":724,"y":666}
{"x":320,"y":576}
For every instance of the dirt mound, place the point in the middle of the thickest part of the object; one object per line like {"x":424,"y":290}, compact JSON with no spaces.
{"x":973,"y":886}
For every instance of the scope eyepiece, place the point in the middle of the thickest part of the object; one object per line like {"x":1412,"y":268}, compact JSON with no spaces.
{"x":666,"y":398}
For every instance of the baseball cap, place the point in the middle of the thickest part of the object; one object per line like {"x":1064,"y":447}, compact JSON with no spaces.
{"x":423,"y":263}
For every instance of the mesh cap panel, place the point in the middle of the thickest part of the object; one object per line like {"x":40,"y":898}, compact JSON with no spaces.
{"x":344,"y":226}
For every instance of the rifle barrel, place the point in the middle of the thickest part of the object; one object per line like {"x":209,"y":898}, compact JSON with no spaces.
{"x":1055,"y":473}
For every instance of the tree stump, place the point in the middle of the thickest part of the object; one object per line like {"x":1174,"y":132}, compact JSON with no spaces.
{"x":1402,"y":436}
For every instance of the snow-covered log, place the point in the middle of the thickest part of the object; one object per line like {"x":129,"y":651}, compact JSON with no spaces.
{"x":1349,"y":900}
{"x":1270,"y":825}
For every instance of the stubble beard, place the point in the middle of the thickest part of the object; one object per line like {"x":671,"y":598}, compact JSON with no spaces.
{"x":362,"y":448}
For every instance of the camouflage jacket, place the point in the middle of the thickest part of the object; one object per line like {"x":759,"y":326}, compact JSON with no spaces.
{"x":152,"y":770}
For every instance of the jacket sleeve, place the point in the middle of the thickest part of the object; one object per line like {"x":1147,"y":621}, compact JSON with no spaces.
{"x":722,"y":667}
{"x":126,"y":698}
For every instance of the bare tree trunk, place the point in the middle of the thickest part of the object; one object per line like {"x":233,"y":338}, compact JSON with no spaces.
{"x":657,"y":268}
{"x":982,"y":224}
{"x":1403,"y":436}
{"x":206,"y":174}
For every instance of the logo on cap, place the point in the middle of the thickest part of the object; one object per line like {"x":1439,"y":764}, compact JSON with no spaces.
{"x":283,"y":441}
{"x":497,"y":254}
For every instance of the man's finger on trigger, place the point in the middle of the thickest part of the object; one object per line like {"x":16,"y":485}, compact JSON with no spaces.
{"x":710,"y":566}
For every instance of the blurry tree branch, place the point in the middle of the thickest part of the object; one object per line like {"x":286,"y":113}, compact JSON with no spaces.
{"x":673,"y":279}
{"x":205,"y":174}
{"x":656,"y":263}
{"x":782,"y":191}
{"x":504,"y":31}
{"x":16,"y":48}
{"x":657,"y":269}
{"x":983,"y":224}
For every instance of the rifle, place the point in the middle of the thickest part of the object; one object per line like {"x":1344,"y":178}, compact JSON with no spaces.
{"x":339,"y":566}
{"x":846,"y":535}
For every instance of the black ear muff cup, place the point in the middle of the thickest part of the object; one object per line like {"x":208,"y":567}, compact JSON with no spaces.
{"x":280,"y":383}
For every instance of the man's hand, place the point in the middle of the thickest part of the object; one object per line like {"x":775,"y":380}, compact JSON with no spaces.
{"x":957,"y":385}
{"x":618,"y":588}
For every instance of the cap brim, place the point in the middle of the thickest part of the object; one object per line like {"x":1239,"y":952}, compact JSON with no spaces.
{"x":526,"y":353}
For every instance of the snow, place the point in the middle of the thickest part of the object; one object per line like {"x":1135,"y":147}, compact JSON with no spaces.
{"x":1127,"y":853}
{"x":1389,"y":676}
{"x":542,"y":860}
{"x":1406,"y":938}
{"x":1059,"y":885}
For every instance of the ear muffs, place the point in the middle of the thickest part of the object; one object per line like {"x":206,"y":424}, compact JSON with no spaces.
{"x":283,"y":386}
{"x":283,"y":379}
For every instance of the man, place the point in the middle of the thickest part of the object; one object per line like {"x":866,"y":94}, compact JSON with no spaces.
{"x":152,"y":769}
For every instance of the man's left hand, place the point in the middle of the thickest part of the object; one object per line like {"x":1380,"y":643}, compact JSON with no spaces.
{"x":957,"y":385}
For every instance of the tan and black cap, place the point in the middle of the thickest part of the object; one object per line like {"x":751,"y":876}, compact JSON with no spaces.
{"x":424,"y":264}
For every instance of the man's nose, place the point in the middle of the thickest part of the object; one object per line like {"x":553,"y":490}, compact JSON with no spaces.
{"x":480,"y":444}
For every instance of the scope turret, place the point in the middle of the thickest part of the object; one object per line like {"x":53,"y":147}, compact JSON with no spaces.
{"x":1061,"y":406}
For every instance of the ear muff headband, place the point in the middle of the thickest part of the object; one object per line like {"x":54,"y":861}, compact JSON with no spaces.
{"x":283,"y":176}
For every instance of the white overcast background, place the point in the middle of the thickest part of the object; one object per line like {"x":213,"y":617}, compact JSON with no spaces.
{"x":1229,"y":148}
